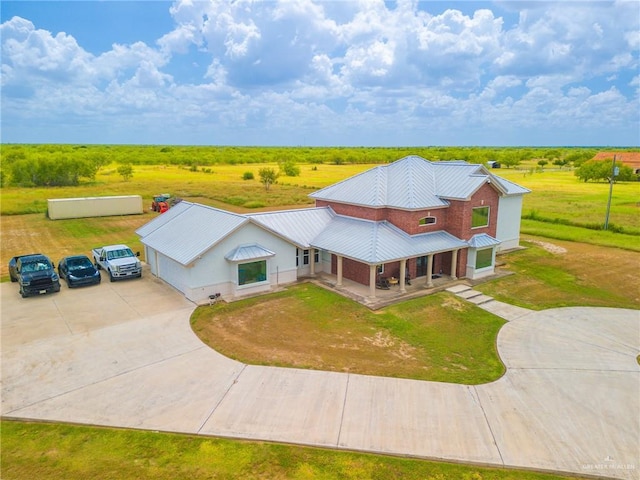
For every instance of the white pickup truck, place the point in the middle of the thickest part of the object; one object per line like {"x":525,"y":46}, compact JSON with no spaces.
{"x":118,"y":261}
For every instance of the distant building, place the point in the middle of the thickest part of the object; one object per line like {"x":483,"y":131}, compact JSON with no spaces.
{"x":630,"y":159}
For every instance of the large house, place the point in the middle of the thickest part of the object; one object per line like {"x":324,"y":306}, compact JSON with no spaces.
{"x":408,"y":219}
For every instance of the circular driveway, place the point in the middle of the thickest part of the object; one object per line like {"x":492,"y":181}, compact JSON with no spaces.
{"x":123,"y":354}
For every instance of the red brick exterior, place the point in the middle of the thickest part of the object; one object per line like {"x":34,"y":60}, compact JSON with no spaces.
{"x":455,"y":219}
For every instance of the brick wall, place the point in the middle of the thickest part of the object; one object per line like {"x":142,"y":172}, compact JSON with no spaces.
{"x":459,"y":213}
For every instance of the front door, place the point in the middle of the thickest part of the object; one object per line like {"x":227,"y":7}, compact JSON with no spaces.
{"x":421,"y":266}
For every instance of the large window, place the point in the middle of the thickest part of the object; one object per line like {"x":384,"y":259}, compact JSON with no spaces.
{"x":484,"y":258}
{"x":253,"y":272}
{"x":480,"y":217}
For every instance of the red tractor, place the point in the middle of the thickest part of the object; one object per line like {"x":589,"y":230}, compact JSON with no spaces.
{"x":160,"y":203}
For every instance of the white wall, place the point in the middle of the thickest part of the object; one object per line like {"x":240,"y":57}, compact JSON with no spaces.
{"x":60,"y":208}
{"x":214,"y":274}
{"x":508,"y":228}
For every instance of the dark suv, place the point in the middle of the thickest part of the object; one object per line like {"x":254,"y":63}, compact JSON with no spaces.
{"x":35,"y":274}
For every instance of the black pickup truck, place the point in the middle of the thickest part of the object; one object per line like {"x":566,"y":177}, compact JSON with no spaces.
{"x":35,"y":273}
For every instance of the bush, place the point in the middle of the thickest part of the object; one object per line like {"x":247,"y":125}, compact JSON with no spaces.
{"x":289,"y":168}
{"x":247,"y":176}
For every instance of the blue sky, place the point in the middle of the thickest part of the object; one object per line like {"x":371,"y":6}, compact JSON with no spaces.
{"x":309,"y":72}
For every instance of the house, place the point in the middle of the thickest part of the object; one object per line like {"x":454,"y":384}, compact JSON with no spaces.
{"x":408,"y":219}
{"x":631,"y":159}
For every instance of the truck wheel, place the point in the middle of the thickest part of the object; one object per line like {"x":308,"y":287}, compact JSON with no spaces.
{"x":98,"y":267}
{"x":13,"y":279}
{"x":22,"y":293}
{"x":111,"y":277}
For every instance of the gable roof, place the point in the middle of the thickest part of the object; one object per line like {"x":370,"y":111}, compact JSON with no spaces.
{"x":414,"y":183}
{"x":189,"y":230}
{"x":300,"y":227}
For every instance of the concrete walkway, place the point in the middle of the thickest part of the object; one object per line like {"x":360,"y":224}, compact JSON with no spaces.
{"x":124,"y":355}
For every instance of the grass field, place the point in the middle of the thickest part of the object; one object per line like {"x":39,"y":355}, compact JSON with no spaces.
{"x":54,"y":452}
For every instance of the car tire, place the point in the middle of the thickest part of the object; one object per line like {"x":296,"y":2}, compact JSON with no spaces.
{"x":111,"y":277}
{"x":14,"y":280}
{"x":98,"y":267}
{"x":22,"y":293}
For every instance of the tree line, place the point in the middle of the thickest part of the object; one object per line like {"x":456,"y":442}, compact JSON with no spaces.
{"x":59,"y":164}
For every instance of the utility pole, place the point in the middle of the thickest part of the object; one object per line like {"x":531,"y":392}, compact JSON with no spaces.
{"x":614,"y":174}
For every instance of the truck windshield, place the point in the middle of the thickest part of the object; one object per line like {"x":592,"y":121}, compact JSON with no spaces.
{"x":122,"y":253}
{"x":35,"y":267}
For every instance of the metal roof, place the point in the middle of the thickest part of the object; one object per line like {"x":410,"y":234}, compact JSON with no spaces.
{"x":510,"y":187}
{"x":414,"y":183}
{"x":408,"y":183}
{"x":162,"y":219}
{"x":248,"y":252}
{"x":297,"y":226}
{"x":482,"y":240}
{"x":191,"y":231}
{"x":380,"y":242}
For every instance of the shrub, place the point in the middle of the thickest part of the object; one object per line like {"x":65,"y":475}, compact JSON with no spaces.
{"x":247,"y":176}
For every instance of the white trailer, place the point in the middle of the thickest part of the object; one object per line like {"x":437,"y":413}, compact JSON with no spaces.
{"x":60,"y":208}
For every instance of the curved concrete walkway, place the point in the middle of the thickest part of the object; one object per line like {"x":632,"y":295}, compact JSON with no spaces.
{"x":124,"y":355}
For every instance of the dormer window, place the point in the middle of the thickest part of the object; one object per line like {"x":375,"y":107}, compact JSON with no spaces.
{"x":427,"y":221}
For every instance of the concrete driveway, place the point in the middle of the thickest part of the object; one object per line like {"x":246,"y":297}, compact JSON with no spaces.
{"x":123,"y":354}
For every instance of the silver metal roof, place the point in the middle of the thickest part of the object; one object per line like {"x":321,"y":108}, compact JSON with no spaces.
{"x":248,"y":252}
{"x":297,"y":226}
{"x":414,"y":183}
{"x":482,"y":240}
{"x":191,"y":231}
{"x":164,"y":218}
{"x":380,"y":242}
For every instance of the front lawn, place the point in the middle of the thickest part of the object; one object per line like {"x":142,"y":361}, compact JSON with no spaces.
{"x":437,"y":337}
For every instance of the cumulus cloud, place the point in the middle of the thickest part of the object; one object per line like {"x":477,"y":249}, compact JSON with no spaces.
{"x":330,"y":66}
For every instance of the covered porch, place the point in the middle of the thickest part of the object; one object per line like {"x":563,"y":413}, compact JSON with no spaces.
{"x":360,"y":293}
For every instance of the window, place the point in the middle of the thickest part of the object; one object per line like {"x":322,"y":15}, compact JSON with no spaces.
{"x":253,"y":272}
{"x":427,"y":221}
{"x":480,"y":217}
{"x":484,"y":258}
{"x":305,"y":257}
{"x":380,"y":269}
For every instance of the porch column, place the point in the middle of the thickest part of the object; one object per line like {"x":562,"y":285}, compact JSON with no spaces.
{"x":403,"y":275}
{"x":372,"y":281}
{"x":454,"y":264}
{"x":429,"y":271}
{"x":339,"y":261}
{"x":312,"y":256}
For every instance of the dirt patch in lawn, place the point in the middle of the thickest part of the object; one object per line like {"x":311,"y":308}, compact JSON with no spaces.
{"x":307,"y":326}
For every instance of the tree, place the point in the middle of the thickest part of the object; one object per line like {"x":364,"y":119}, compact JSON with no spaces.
{"x":267,"y":177}
{"x":126,"y":170}
{"x":601,"y":170}
{"x":542,"y":163}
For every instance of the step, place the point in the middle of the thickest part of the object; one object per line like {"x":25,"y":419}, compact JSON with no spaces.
{"x":468,"y":294}
{"x":458,"y":288}
{"x":480,"y":299}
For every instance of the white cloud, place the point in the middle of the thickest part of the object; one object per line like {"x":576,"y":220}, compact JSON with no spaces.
{"x":337,"y":67}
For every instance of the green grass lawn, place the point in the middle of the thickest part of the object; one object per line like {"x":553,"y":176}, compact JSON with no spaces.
{"x":55,"y":452}
{"x":436,"y":337}
{"x":581,"y":275}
